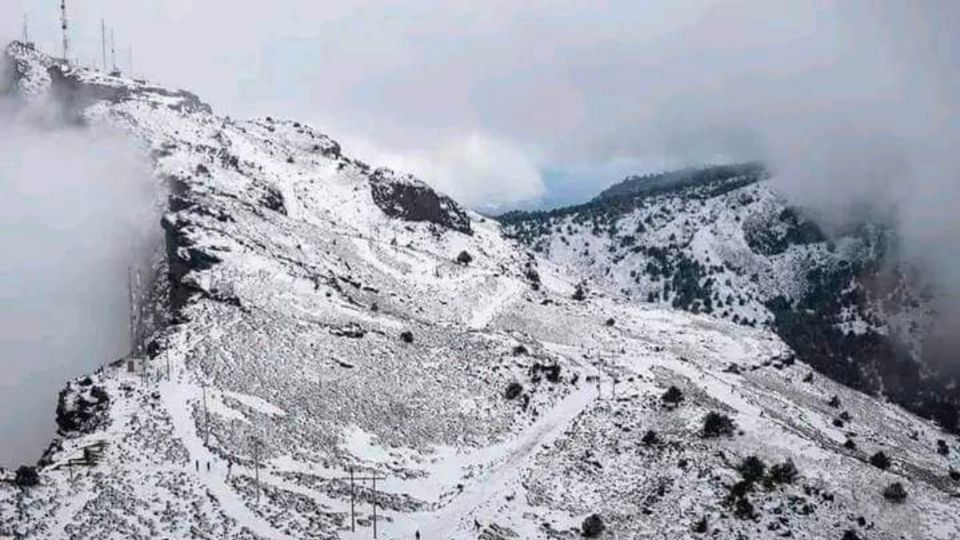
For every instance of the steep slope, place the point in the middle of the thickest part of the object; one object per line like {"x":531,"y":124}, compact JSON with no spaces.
{"x":324,"y":320}
{"x":721,"y":241}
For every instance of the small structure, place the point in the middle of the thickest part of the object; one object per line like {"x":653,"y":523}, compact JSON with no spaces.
{"x":135,"y":364}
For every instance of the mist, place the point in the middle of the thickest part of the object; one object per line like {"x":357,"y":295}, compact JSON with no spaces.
{"x":76,"y":209}
{"x":889,"y":156}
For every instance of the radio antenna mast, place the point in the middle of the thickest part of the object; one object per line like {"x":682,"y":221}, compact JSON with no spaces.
{"x":103,"y":43}
{"x":130,"y":62}
{"x":113,"y":51}
{"x":26,"y":29}
{"x":63,"y":27}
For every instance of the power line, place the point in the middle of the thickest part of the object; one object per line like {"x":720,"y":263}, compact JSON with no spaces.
{"x":353,"y":495}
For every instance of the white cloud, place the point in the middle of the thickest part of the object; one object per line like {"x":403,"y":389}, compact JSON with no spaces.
{"x":75,"y":212}
{"x":478,"y":170}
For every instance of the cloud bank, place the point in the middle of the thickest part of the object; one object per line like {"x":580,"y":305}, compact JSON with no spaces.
{"x":75,"y":211}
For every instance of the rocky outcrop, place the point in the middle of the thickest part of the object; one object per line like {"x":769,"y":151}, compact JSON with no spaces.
{"x":182,"y":258}
{"x":409,"y":199}
{"x":82,"y":407}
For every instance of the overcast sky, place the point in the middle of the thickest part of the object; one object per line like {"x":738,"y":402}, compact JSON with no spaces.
{"x":521,"y":103}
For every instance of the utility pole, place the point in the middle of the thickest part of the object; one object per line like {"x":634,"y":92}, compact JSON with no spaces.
{"x":374,"y":505}
{"x":137,"y":292}
{"x":206,"y":417}
{"x":113,"y":51}
{"x":133,"y":285}
{"x":103,"y":43}
{"x":353,"y":498}
{"x":353,"y":479}
{"x":256,"y":460}
{"x":63,"y":28}
{"x":131,"y":301}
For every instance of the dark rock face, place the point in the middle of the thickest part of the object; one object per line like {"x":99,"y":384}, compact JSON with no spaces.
{"x":406,"y":198}
{"x":82,"y":407}
{"x":26,"y":476}
{"x":789,"y":228}
{"x":273,"y":200}
{"x":182,"y":257}
{"x":592,"y":527}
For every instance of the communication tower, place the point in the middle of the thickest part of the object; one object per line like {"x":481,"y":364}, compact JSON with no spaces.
{"x":63,"y":27}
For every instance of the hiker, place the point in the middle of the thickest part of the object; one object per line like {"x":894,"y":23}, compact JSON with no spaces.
{"x":208,"y":466}
{"x":476,"y":524}
{"x":196,"y":465}
{"x":417,"y":535}
{"x":229,"y":467}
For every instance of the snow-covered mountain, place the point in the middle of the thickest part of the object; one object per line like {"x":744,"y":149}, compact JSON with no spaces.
{"x":318,"y":320}
{"x":721,"y":241}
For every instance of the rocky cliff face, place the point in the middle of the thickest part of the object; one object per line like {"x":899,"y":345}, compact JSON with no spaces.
{"x":312,"y":332}
{"x":407,"y":198}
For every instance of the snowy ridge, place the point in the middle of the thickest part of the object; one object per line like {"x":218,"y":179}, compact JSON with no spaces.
{"x":311,"y":332}
{"x":727,"y":244}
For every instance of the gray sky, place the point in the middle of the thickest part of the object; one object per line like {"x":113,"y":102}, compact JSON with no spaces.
{"x":509,"y":103}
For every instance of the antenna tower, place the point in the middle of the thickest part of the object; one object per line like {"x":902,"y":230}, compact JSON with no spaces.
{"x":26,"y":29}
{"x":113,"y":51}
{"x":63,"y":27}
{"x":103,"y":42}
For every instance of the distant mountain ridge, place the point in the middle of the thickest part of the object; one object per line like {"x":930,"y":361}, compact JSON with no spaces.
{"x":720,"y":240}
{"x":650,"y":184}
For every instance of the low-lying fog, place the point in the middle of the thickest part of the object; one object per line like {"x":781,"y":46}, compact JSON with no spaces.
{"x":75,"y":208}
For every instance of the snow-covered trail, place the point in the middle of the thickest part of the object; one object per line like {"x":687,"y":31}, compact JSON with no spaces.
{"x":176,"y":398}
{"x":508,"y":291}
{"x":447,"y":521}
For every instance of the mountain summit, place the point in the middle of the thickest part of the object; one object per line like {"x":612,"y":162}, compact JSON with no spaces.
{"x":339,"y":352}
